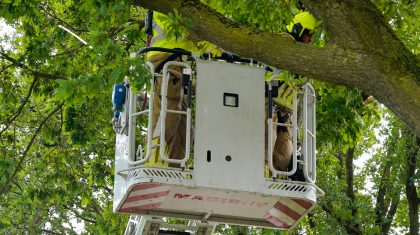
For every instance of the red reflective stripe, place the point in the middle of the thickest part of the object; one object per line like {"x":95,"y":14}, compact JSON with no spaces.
{"x":276,"y":221}
{"x":146,"y":196}
{"x":144,"y":186}
{"x":141,"y":208}
{"x":303,"y":203}
{"x":287,"y":211}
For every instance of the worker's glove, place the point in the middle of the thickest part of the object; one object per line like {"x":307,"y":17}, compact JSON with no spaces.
{"x":206,"y":47}
{"x":285,"y":96}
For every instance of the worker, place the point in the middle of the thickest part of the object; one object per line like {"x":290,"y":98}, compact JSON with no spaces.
{"x":301,"y":30}
{"x":175,"y":127}
{"x":302,"y":27}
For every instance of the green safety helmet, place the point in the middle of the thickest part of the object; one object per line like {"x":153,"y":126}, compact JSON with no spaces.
{"x":303,"y":20}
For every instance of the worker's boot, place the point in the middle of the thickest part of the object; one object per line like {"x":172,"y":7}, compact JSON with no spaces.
{"x":298,"y":175}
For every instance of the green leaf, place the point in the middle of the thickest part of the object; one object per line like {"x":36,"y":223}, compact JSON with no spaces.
{"x":84,"y":202}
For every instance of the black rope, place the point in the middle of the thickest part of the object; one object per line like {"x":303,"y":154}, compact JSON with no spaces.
{"x":229,"y":57}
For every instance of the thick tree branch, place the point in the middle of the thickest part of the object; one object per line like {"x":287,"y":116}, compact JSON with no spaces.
{"x":356,"y":24}
{"x":5,"y":186}
{"x":388,"y":70}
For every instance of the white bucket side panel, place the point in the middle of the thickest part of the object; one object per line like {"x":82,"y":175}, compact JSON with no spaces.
{"x":121,"y":156}
{"x":232,"y":133}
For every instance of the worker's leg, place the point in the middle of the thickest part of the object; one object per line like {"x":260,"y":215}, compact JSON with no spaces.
{"x":175,"y":124}
{"x":176,"y":143}
{"x":283,"y":148}
{"x":266,"y":136}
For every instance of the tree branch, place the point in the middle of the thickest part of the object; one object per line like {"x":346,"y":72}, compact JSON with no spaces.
{"x":20,"y":188}
{"x":5,"y":68}
{"x":69,"y":52}
{"x":386,"y":225}
{"x":339,"y":156}
{"x":31,"y":71}
{"x":11,"y":119}
{"x":349,"y":227}
{"x":78,"y":215}
{"x":96,"y":206}
{"x":5,"y":186}
{"x":54,"y":16}
{"x":380,"y":208}
{"x":51,"y":232}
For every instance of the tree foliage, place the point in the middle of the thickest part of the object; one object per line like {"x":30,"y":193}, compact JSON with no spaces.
{"x":56,"y":139}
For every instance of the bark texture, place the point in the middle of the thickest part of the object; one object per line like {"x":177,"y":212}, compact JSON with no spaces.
{"x":386,"y":208}
{"x":410,"y":187}
{"x":364,"y":51}
{"x":350,"y":192}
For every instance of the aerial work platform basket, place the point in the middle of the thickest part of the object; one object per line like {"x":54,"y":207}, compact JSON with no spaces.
{"x":224,"y":174}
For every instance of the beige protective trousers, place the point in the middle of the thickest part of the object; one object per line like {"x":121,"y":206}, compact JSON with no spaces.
{"x":175,"y":126}
{"x":283,"y":149}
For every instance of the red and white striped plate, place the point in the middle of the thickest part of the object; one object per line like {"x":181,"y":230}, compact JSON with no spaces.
{"x":145,"y":197}
{"x":287,"y":211}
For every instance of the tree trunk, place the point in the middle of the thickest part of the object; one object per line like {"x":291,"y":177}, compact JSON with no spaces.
{"x":386,"y":224}
{"x":350,"y":191}
{"x":410,"y":187}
